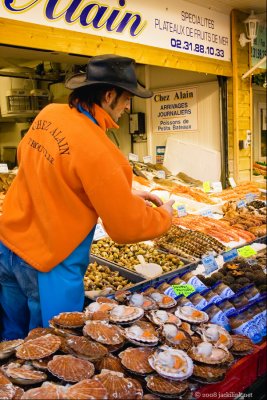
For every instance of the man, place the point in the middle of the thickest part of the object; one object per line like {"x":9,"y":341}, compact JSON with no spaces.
{"x":70,"y":173}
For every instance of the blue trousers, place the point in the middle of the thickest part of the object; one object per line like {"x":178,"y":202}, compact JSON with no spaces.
{"x":29,"y":298}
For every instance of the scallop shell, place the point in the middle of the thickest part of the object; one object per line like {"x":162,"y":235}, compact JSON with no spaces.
{"x":7,"y":391}
{"x":40,"y":347}
{"x":117,"y":385}
{"x":87,"y":389}
{"x":136,"y":359}
{"x":23,"y":375}
{"x":224,"y":338}
{"x":102,"y":299}
{"x":3,"y":379}
{"x":217,"y":356}
{"x":42,"y":363}
{"x":125,"y":314}
{"x":37,"y":332}
{"x":180,"y":340}
{"x":242,"y":345}
{"x":110,"y":362}
{"x":185,"y":313}
{"x":18,"y":393}
{"x":48,"y":391}
{"x":187,"y":327}
{"x":146,"y":303}
{"x":64,"y":332}
{"x":70,"y":368}
{"x":209,"y":374}
{"x":103,"y":332}
{"x":159,"y":385}
{"x":7,"y":348}
{"x":182,"y":365}
{"x":165,"y":302}
{"x":85,"y":348}
{"x":69,"y":319}
{"x":137,"y":388}
{"x":146,"y":326}
{"x":146,"y":338}
{"x":160,"y":317}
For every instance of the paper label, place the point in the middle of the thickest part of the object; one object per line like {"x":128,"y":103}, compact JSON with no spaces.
{"x":241,"y":204}
{"x":217,"y":187}
{"x":230,"y":255}
{"x":232,"y":182}
{"x":207,"y":213}
{"x":183,"y":289}
{"x":99,"y":232}
{"x":3,"y":168}
{"x":209,"y":263}
{"x":206,"y":186}
{"x":147,"y":159}
{"x":161,"y":174}
{"x":246,"y":251}
{"x":181,"y":210}
{"x":133,"y":157}
{"x":250,"y":197}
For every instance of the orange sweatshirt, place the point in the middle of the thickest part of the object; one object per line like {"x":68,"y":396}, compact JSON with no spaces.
{"x":70,"y":173}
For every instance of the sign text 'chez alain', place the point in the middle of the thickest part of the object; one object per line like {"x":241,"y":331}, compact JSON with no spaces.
{"x":174,"y":110}
{"x":171,"y":25}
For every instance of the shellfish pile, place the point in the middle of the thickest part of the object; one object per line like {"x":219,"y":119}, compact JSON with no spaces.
{"x":118,"y":349}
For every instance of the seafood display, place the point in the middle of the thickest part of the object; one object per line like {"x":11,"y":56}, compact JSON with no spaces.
{"x":188,"y":243}
{"x":238,"y":192}
{"x":126,"y":255}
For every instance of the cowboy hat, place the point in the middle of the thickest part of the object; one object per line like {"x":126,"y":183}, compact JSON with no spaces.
{"x":112,"y":70}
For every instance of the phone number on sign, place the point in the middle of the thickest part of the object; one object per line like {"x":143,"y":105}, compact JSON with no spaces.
{"x":196,"y":48}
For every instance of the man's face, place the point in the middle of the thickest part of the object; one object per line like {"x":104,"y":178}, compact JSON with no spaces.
{"x":115,"y":106}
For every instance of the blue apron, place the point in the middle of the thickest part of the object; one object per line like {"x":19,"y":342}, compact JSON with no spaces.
{"x":62,"y":288}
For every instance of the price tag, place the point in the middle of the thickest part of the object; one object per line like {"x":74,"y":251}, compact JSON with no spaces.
{"x":206,"y":186}
{"x":230,"y":255}
{"x":241,"y":203}
{"x":181,"y":210}
{"x":246,"y":251}
{"x":147,"y":159}
{"x":99,"y":232}
{"x":250,"y":197}
{"x":3,"y":168}
{"x":183,"y":289}
{"x":133,"y":157}
{"x":209,"y":263}
{"x":217,"y":187}
{"x":161,"y":174}
{"x":206,"y":213}
{"x":232,"y":182}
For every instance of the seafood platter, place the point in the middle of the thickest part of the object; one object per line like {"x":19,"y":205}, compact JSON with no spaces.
{"x":135,"y":344}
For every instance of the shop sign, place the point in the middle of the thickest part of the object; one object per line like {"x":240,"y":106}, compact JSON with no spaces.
{"x":179,"y":26}
{"x":258,"y":50}
{"x":174,"y":110}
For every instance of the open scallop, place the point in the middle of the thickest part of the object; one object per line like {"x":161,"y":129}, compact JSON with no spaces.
{"x":160,"y":317}
{"x":141,"y":337}
{"x":171,"y":363}
{"x":191,"y":315}
{"x":163,"y":300}
{"x":125,"y":314}
{"x":206,"y":353}
{"x":215,"y":334}
{"x":176,"y":337}
{"x":140,"y":300}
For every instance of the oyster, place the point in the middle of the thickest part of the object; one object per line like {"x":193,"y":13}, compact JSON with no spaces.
{"x":215,"y":334}
{"x":69,"y":320}
{"x":206,"y":353}
{"x":48,"y":391}
{"x":191,"y":314}
{"x":125,"y":314}
{"x":23,"y":374}
{"x":70,"y":368}
{"x":204,"y":373}
{"x":145,"y":302}
{"x":176,"y":337}
{"x":103,"y":332}
{"x":84,"y":348}
{"x":161,"y":386}
{"x":136,"y":359}
{"x":163,"y":300}
{"x":40,"y":347}
{"x":7,"y":348}
{"x":117,"y":385}
{"x":139,"y":336}
{"x":171,"y":363}
{"x":160,"y":317}
{"x":110,"y":362}
{"x":87,"y":389}
{"x":242,"y":345}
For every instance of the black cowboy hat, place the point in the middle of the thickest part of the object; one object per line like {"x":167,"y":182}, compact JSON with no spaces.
{"x":112,"y":70}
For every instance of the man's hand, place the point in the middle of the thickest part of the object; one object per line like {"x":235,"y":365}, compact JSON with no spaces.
{"x":148,"y":197}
